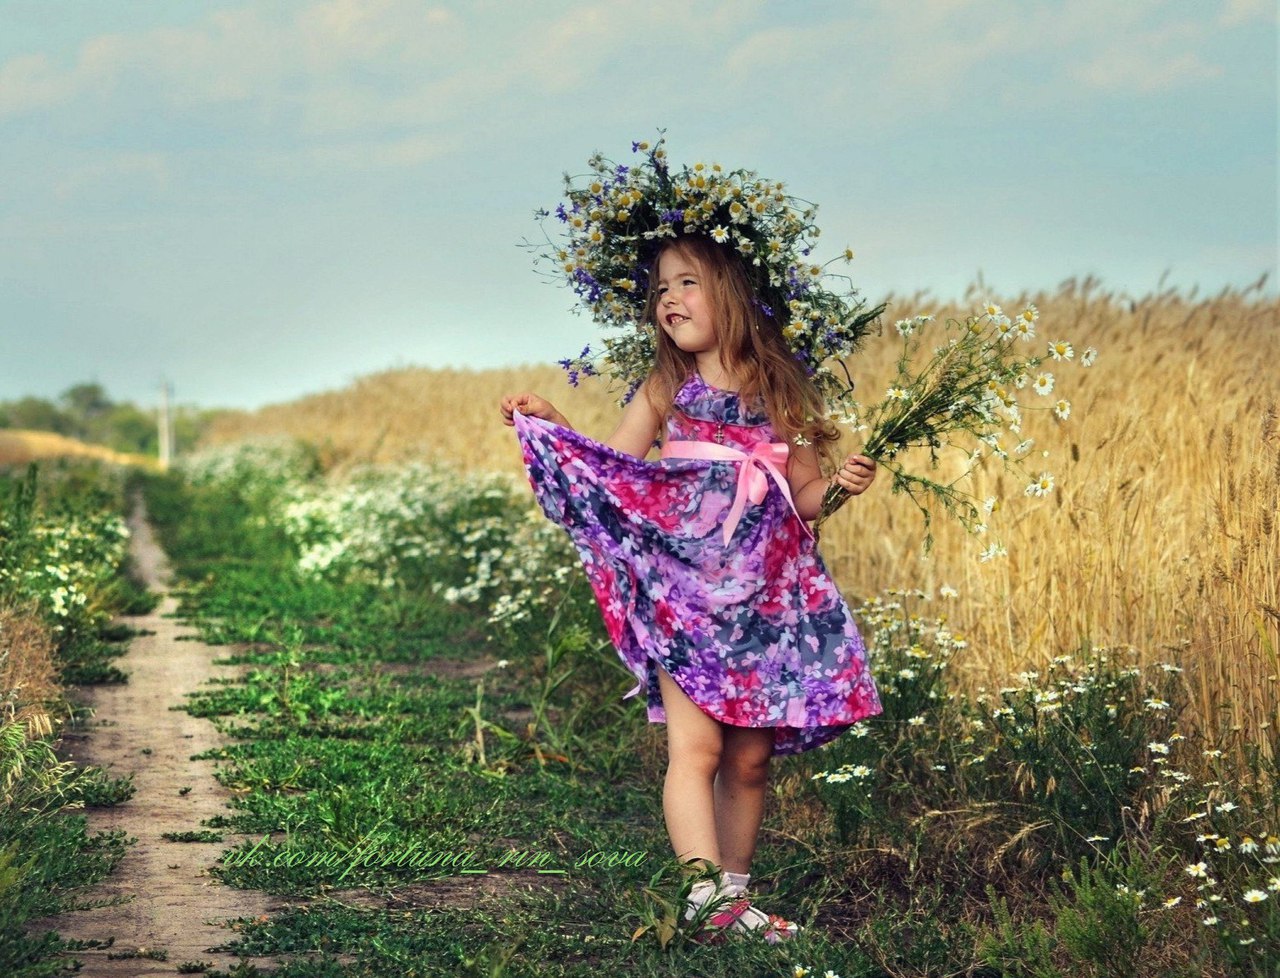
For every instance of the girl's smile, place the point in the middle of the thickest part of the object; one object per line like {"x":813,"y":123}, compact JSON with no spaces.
{"x":683,"y":310}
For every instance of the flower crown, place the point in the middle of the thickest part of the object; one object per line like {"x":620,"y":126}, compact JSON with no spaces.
{"x":617,"y":219}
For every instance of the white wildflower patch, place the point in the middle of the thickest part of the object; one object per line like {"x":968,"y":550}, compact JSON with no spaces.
{"x":397,"y":527}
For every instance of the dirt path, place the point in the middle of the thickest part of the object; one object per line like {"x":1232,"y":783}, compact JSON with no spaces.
{"x":174,"y":904}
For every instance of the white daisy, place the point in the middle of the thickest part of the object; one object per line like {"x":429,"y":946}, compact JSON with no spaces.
{"x":1042,"y":486}
{"x":1090,"y":354}
{"x":720,"y":233}
{"x":1043,"y":384}
{"x":995,"y":550}
{"x":1061,"y":350}
{"x":1062,"y":409}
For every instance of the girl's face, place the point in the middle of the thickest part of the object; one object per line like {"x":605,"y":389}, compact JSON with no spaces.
{"x":683,"y":310}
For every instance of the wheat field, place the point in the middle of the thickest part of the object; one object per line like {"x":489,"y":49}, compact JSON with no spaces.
{"x":1160,"y":536}
{"x":18,"y":447}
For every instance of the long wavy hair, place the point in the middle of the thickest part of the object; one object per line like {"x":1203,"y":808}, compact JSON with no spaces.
{"x":753,"y":350}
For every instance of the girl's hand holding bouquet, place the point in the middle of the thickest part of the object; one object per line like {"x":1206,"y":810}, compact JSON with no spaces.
{"x":855,"y":475}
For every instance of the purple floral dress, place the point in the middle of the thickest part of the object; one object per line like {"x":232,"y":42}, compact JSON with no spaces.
{"x":755,"y":630}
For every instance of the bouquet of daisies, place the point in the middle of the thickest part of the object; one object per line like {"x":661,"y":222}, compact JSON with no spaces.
{"x":963,"y":395}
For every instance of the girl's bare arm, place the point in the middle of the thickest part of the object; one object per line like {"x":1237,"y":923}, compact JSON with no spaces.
{"x":804,"y":476}
{"x":634,"y":435}
{"x":638,"y":426}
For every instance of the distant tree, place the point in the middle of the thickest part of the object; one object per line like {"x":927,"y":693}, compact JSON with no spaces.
{"x":129,"y":429}
{"x":87,"y":405}
{"x":37,"y":414}
{"x":86,"y":399}
{"x":86,"y":412}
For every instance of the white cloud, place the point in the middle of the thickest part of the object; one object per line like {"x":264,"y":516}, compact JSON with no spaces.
{"x":353,"y":53}
{"x":29,"y":83}
{"x":893,"y":62}
{"x":1144,"y":72}
{"x":237,"y":54}
{"x":369,"y":153}
{"x":96,"y":171}
{"x":884,"y":63}
{"x":776,"y":47}
{"x":338,"y":68}
{"x":1149,"y":60}
{"x":1242,"y":11}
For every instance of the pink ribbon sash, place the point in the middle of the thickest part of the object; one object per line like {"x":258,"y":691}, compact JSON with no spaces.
{"x":766,"y":460}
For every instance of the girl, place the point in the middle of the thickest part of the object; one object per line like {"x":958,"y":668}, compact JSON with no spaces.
{"x":703,"y":564}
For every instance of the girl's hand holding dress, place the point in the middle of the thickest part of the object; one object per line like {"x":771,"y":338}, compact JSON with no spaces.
{"x":856,"y":474}
{"x":531,"y":405}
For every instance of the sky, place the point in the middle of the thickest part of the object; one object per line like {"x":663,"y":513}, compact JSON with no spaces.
{"x":253,"y":201}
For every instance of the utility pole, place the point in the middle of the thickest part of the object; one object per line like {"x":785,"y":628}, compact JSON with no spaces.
{"x":166,"y":427}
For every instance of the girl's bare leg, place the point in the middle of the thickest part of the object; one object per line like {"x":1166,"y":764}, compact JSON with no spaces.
{"x":694,"y":746}
{"x":740,"y":793}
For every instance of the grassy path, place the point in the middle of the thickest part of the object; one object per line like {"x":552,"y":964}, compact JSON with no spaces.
{"x":431,"y":798}
{"x":168,"y":901}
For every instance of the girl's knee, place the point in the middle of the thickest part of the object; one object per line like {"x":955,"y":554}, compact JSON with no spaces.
{"x":747,"y":754}
{"x":695,"y":762}
{"x":749,"y":772}
{"x":699,"y":747}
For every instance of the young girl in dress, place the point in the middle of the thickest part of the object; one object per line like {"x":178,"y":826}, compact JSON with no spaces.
{"x":704,"y":565}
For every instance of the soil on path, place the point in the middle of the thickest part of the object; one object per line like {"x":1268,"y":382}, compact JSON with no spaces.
{"x":172,"y":903}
